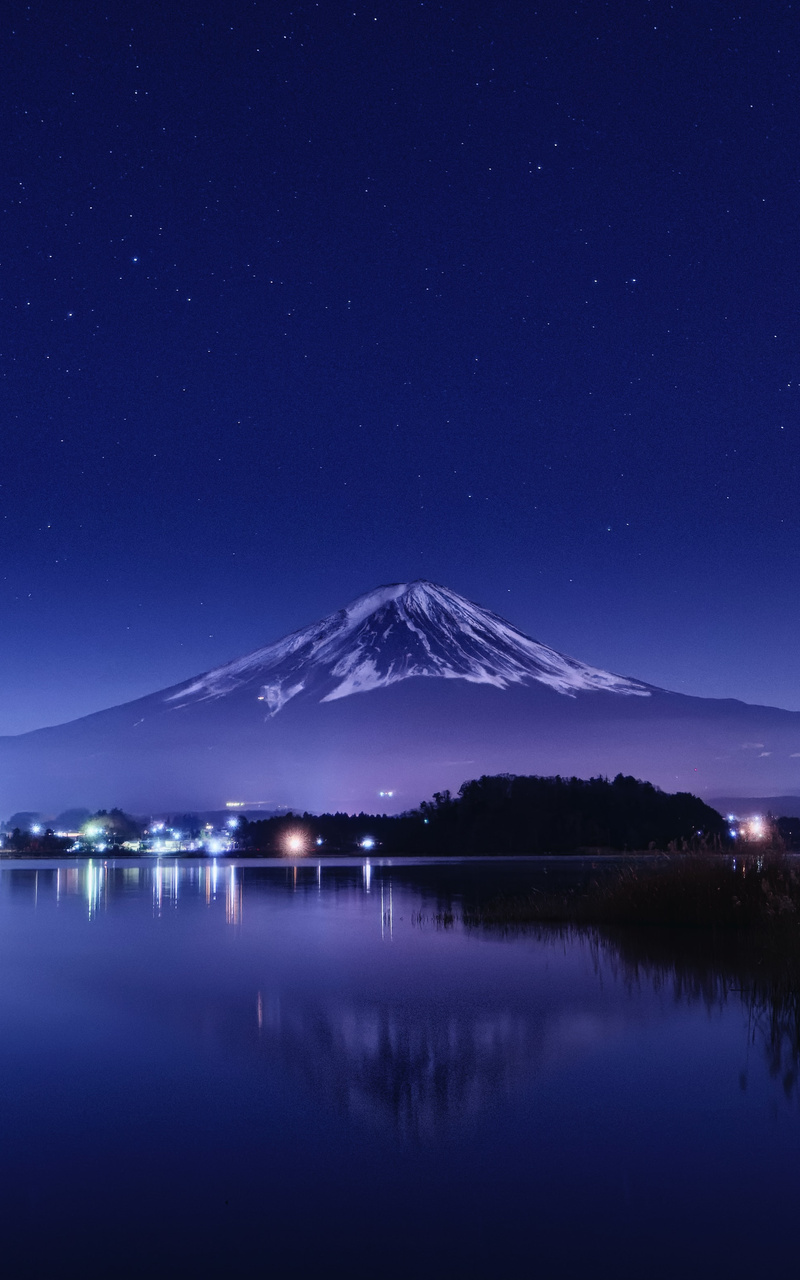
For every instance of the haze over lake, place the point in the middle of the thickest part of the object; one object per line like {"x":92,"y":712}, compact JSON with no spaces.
{"x":292,"y":1068}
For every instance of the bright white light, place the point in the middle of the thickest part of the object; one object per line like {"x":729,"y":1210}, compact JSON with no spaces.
{"x":295,"y":842}
{"x":233,"y":822}
{"x":36,"y":829}
{"x":319,"y":840}
{"x":367,"y":843}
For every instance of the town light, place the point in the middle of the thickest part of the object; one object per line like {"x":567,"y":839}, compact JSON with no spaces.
{"x":295,"y":842}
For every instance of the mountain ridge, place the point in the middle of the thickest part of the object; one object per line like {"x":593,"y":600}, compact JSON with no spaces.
{"x":408,"y":689}
{"x":439,"y":634}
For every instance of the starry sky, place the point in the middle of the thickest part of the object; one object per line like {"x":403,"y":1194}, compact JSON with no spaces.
{"x":302,"y":298}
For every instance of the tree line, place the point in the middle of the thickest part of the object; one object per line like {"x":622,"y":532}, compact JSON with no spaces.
{"x":503,"y":814}
{"x":507,"y":814}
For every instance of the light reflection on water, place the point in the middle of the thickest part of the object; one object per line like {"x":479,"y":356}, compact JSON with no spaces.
{"x":257,"y":1034}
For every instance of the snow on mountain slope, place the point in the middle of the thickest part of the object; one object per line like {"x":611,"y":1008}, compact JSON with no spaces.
{"x":390,"y":634}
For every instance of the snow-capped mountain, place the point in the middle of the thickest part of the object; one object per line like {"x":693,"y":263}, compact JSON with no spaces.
{"x":408,"y":689}
{"x":398,"y":631}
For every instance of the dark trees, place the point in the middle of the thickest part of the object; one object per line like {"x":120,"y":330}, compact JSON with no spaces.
{"x":508,"y":814}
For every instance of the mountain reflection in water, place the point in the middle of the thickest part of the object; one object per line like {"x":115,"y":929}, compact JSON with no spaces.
{"x":421,"y":1069}
{"x":403,"y":1049}
{"x":300,"y":1067}
{"x":409,"y":1067}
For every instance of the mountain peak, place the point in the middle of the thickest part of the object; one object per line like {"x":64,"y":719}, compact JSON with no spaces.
{"x":452,"y":691}
{"x":395,"y":632}
{"x":420,"y":592}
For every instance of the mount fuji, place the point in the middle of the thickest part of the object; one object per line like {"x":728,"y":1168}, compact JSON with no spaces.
{"x":409,"y":689}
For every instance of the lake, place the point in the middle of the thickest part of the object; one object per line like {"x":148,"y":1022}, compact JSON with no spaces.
{"x":295,"y":1069}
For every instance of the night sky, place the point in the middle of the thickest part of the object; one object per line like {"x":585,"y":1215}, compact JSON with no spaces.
{"x":298,"y":299}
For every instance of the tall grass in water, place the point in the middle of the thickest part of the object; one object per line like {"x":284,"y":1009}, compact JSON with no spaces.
{"x":715,"y":928}
{"x":754,"y":891}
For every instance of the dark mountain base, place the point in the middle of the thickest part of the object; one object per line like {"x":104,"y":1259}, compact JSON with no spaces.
{"x":412,"y":738}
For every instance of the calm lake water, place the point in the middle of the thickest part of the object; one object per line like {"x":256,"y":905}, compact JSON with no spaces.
{"x":298,"y":1070}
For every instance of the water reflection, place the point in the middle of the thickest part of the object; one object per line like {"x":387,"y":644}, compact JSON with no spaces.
{"x":415,"y":1037}
{"x":421,"y":1069}
{"x":412,"y":1070}
{"x":760,"y":975}
{"x":98,"y":883}
{"x":233,"y":897}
